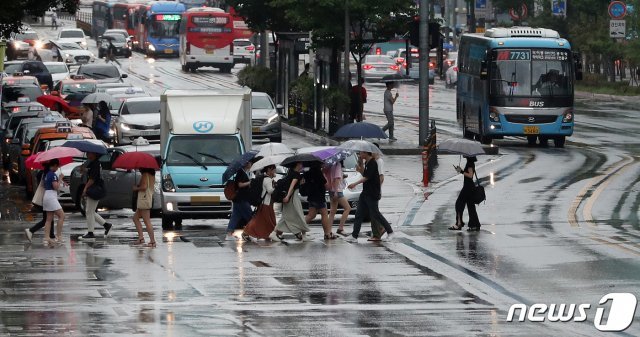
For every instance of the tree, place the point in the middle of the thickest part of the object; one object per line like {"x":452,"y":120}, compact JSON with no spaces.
{"x":13,"y":12}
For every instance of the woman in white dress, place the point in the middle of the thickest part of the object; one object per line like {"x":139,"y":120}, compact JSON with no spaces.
{"x":50,"y":203}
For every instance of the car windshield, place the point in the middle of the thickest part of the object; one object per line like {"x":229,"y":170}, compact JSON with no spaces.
{"x":11,"y":94}
{"x":197,"y":151}
{"x":99,"y":72}
{"x":57,"y":68}
{"x":12,"y":68}
{"x":78,"y":88}
{"x":70,"y":46}
{"x":261,"y":102}
{"x":140,"y":107}
{"x":378,"y":59}
{"x":27,"y":36}
{"x":115,"y":37}
{"x":71,"y":34}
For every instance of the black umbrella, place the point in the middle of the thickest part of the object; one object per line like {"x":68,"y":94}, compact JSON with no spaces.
{"x":238,"y":164}
{"x":305,"y":158}
{"x":360,"y":130}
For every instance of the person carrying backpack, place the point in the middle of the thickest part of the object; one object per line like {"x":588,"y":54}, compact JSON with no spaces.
{"x":241,"y":208}
{"x":315,"y":182}
{"x":292,"y":220}
{"x":264,"y":220}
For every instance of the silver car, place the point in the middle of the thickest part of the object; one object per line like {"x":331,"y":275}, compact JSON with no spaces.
{"x":138,"y":117}
{"x":118,"y":183}
{"x":265,"y":120}
{"x":375,"y":67}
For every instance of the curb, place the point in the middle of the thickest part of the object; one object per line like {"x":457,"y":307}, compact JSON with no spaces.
{"x":308,"y":134}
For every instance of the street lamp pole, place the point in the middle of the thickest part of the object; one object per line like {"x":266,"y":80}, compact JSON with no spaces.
{"x":347,"y":43}
{"x":423,"y":91}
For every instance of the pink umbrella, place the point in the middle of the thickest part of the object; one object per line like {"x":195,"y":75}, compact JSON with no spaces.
{"x":32,"y":165}
{"x":57,"y":153}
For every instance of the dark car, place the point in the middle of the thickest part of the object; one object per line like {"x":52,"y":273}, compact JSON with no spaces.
{"x":31,"y":68}
{"x":19,"y":44}
{"x":118,"y":41}
{"x":102,"y":73}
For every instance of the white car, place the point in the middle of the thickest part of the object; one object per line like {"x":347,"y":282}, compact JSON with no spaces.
{"x":64,"y":51}
{"x":138,"y":117}
{"x":59,"y":71}
{"x":74,"y":35}
{"x":451,"y":76}
{"x":243,"y":51}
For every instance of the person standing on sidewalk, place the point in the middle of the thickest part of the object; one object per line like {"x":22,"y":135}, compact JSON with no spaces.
{"x":51,"y":205}
{"x":28,"y":232}
{"x":54,"y":21}
{"x":241,"y":208}
{"x":358,"y":98}
{"x":369,"y":198}
{"x":144,"y":204}
{"x":93,"y":178}
{"x":466,"y":198}
{"x":389,"y":101}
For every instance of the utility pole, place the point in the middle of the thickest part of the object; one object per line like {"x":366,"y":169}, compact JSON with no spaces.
{"x":423,"y":91}
{"x":347,"y":44}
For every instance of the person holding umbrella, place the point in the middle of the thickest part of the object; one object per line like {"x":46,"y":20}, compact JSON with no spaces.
{"x":292,"y":220}
{"x":103,"y":122}
{"x":466,"y":197}
{"x":143,"y":205}
{"x":94,"y":181}
{"x":264,"y":220}
{"x":389,"y":101}
{"x":241,"y":208}
{"x":50,"y":203}
{"x":40,"y":224}
{"x":315,"y":183}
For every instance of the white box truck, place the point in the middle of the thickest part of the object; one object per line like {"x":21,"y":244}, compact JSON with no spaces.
{"x":201,"y":132}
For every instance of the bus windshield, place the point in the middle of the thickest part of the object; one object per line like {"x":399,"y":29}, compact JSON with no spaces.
{"x":165,"y":25}
{"x":531,"y":73}
{"x":196,"y":151}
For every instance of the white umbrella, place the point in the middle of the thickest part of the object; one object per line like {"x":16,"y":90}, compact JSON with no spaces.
{"x":97,"y":97}
{"x":462,"y":147}
{"x":267,"y":161}
{"x":357,"y":145}
{"x":274,"y":149}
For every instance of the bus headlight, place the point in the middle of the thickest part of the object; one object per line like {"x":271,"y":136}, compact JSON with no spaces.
{"x":152,"y":47}
{"x":167,"y":184}
{"x":494,"y":116}
{"x":567,"y":117}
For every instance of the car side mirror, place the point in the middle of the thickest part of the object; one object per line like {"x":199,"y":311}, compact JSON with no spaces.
{"x":279,"y":106}
{"x":483,"y":70}
{"x":124,"y":75}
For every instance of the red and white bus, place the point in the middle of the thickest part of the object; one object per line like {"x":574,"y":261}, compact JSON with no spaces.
{"x":206,"y":39}
{"x":124,"y":17}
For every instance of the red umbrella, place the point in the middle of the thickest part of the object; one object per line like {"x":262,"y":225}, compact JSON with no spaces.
{"x":136,"y":160}
{"x":52,"y":102}
{"x":60,"y":153}
{"x":32,"y":165}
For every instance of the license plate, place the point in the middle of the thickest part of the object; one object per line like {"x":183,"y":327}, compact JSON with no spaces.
{"x":168,"y":51}
{"x":531,"y":130}
{"x":209,"y":51}
{"x":148,"y":133}
{"x":215,"y":200}
{"x":256,"y":129}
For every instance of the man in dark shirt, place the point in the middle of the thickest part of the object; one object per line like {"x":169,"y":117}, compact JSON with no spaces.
{"x":369,"y":197}
{"x":93,"y":177}
{"x":241,"y":208}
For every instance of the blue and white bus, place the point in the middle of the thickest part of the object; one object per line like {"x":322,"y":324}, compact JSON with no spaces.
{"x":193,"y":3}
{"x":516,"y":81}
{"x":157,"y":26}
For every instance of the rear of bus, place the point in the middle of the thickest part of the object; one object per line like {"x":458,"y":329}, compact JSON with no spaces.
{"x":206,"y":39}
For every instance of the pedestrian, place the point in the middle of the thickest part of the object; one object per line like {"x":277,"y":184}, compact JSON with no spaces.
{"x":358,"y":98}
{"x":305,"y":72}
{"x":315,"y":183}
{"x":95,"y":183}
{"x":292,"y":220}
{"x":369,"y":198}
{"x":51,"y":205}
{"x":336,"y":184}
{"x":466,"y":198}
{"x":389,"y":101}
{"x":377,"y":231}
{"x":241,"y":208}
{"x":54,"y":21}
{"x":103,"y":122}
{"x":87,"y":117}
{"x":143,"y":205}
{"x":28,"y":232}
{"x":264,"y":219}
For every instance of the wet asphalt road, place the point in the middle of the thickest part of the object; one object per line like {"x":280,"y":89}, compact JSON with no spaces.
{"x":559,"y":226}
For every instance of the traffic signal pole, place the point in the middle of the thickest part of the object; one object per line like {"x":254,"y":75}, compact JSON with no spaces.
{"x":423,"y":91}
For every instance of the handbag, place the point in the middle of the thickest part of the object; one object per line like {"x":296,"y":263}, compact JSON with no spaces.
{"x":96,"y":191}
{"x":39,"y":194}
{"x":230,"y":190}
{"x":478,"y":192}
{"x":143,"y":199}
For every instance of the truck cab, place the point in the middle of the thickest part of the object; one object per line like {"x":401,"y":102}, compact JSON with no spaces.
{"x":201,"y":132}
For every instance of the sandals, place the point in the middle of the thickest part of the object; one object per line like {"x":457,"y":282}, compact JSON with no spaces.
{"x":456,"y":227}
{"x":139,"y":242}
{"x":473,"y":229}
{"x":246,"y":237}
{"x":330,"y":236}
{"x":374,"y":239}
{"x":280,"y":236}
{"x":151,"y":244}
{"x":341,"y":232}
{"x":299,"y":237}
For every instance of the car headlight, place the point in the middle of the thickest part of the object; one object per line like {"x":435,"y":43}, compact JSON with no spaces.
{"x":273,"y":119}
{"x":152,"y":47}
{"x":83,"y":43}
{"x":167,"y":184}
{"x":67,"y":55}
{"x":494,"y":116}
{"x":125,"y":127}
{"x":567,"y":117}
{"x":37,"y":44}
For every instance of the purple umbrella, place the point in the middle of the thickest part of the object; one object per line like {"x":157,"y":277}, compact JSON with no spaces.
{"x":331,"y":155}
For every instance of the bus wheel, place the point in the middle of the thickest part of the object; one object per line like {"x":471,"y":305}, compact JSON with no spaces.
{"x":531,"y":140}
{"x":559,"y":141}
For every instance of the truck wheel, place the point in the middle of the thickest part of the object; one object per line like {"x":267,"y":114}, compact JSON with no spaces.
{"x":193,"y":68}
{"x":178,"y":223}
{"x":226,"y":69}
{"x":559,"y":141}
{"x":167,"y":223}
{"x":531,"y":140}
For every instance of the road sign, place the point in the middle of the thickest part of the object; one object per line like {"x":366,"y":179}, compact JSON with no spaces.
{"x":617,"y":28}
{"x":559,"y":7}
{"x":617,"y":10}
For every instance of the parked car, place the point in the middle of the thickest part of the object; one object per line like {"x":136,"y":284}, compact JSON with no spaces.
{"x":31,"y":68}
{"x":118,"y":182}
{"x":8,"y":128}
{"x":375,"y":67}
{"x":243,"y":51}
{"x":74,"y":35}
{"x":451,"y":76}
{"x":349,"y":170}
{"x":138,"y":117}
{"x":119,"y":42}
{"x":59,"y":71}
{"x":64,"y":51}
{"x":265,"y":120}
{"x":19,"y":44}
{"x":102,"y":73}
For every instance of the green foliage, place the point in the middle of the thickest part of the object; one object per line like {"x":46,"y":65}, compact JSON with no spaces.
{"x":336,"y":98}
{"x":303,"y":88}
{"x":13,"y":11}
{"x":599,"y":84}
{"x":261,"y":15}
{"x":258,"y":79}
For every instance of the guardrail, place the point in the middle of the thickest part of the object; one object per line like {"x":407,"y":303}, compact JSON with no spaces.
{"x":83,"y":21}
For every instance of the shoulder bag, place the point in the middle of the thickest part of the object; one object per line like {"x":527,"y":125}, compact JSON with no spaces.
{"x":478,"y":192}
